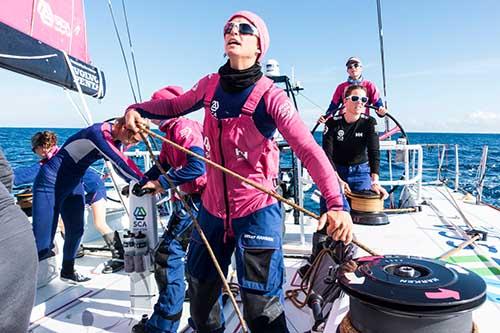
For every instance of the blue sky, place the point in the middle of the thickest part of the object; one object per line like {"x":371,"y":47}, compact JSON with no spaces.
{"x":442,"y":57}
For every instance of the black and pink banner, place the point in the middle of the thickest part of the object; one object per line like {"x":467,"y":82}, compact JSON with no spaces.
{"x":33,"y":36}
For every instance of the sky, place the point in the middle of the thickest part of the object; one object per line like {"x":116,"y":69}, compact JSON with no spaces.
{"x":442,"y":57}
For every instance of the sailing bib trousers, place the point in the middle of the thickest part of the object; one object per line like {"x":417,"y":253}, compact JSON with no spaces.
{"x":169,"y":268}
{"x":257,"y":246}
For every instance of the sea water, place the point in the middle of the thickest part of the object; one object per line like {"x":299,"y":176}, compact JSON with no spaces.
{"x":17,"y":147}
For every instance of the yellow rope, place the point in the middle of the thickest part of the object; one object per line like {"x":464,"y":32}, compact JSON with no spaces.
{"x":367,"y":204}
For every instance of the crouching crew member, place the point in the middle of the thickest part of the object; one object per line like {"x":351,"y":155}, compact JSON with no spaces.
{"x":188,"y":173}
{"x":44,"y":144}
{"x":58,"y":187}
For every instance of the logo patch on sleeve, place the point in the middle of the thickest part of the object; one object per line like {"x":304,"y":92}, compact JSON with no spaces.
{"x":285,"y":110}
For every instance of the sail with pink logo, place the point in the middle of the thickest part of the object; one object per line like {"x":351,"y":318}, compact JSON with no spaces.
{"x":46,"y":39}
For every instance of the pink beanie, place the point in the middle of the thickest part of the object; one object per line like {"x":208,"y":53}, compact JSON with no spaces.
{"x":264,"y":38}
{"x":167,"y":93}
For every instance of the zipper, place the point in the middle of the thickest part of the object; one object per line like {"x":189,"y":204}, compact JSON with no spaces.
{"x":227,"y":226}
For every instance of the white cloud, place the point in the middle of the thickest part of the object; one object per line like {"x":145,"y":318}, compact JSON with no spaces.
{"x":479,"y":121}
{"x":481,"y":116}
{"x":473,"y":67}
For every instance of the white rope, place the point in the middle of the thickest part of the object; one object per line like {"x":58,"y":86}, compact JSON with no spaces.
{"x":89,"y":122}
{"x":79,"y":88}
{"x":85,"y":120}
{"x":11,"y":56}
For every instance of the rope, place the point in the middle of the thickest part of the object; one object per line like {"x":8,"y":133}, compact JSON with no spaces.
{"x":132,"y":51}
{"x":457,"y":207}
{"x":460,"y":247}
{"x":88,"y":121}
{"x":121,"y":48}
{"x":251,"y":183}
{"x":80,"y":112}
{"x":200,"y":231}
{"x":311,"y":101}
{"x":460,"y":231}
{"x":79,"y":89}
{"x":309,"y":276}
{"x":363,"y":203}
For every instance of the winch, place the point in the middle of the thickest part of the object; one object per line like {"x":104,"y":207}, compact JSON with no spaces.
{"x":367,"y":208}
{"x":395,"y":293}
{"x":25,"y":201}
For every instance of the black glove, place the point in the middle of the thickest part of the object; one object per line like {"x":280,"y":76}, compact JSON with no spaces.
{"x":137,"y":190}
{"x":125,"y":190}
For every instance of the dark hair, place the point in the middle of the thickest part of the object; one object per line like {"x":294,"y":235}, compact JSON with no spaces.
{"x":348,"y":91}
{"x":45,"y":139}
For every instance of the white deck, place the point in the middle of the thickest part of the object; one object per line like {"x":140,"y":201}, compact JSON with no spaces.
{"x":102,"y":305}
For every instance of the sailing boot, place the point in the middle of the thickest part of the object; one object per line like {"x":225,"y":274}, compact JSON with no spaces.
{"x":81,"y":252}
{"x":115,"y":245}
{"x":140,"y":327}
{"x":68,"y":273}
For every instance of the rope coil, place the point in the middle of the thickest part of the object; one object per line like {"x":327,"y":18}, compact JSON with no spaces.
{"x":365,"y":203}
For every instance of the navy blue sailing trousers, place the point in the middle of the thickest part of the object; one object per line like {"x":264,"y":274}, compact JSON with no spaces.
{"x":55,"y":192}
{"x":170,"y":268}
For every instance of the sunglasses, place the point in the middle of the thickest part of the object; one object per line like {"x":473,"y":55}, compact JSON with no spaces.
{"x":363,"y":99}
{"x":243,"y":28}
{"x":44,"y":149}
{"x":353,"y":66}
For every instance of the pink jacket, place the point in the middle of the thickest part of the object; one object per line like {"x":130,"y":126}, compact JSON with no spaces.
{"x":187,"y":133}
{"x":238,"y":145}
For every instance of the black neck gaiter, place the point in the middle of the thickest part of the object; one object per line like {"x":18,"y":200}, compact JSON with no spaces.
{"x":233,"y":80}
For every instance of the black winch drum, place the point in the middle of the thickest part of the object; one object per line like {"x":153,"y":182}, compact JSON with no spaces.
{"x":25,"y":202}
{"x":367,"y":208}
{"x":408,"y":294}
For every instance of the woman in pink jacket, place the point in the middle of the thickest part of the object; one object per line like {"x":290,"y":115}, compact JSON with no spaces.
{"x":243,"y":111}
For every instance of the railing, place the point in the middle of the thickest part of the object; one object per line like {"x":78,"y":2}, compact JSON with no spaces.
{"x":442,"y":164}
{"x":412,"y":174}
{"x":413,"y":156}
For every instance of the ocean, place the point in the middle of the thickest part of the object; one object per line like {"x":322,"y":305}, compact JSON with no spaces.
{"x":16,"y":145}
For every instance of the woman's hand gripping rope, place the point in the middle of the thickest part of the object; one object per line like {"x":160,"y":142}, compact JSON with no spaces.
{"x":339,"y":222}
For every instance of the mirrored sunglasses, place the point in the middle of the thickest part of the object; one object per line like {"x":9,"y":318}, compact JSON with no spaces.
{"x":355,"y":65}
{"x":242,"y":27}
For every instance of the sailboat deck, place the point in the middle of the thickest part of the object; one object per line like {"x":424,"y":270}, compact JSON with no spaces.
{"x":103,"y":304}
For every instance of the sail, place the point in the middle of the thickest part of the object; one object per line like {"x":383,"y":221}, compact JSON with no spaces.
{"x":39,"y":37}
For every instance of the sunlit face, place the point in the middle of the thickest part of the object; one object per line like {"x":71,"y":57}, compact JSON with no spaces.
{"x":354,"y":70}
{"x":42,"y":152}
{"x":355,"y":102}
{"x":241,"y":45}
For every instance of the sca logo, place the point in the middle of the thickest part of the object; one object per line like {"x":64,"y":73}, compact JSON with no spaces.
{"x":140,"y":213}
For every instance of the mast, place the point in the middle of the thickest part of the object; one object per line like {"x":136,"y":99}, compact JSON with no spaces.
{"x":382,"y":60}
{"x":381,"y":42}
